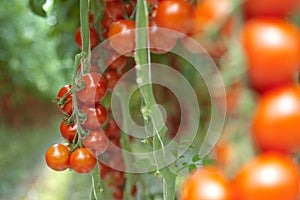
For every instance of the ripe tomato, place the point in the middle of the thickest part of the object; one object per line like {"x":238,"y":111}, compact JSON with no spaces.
{"x":97,"y":142}
{"x":122,"y":36}
{"x":82,"y":161}
{"x":57,"y":157}
{"x":176,"y":15}
{"x":272,"y":49}
{"x":209,"y":14}
{"x":94,"y":88}
{"x":206,"y":183}
{"x":268,"y":176}
{"x":156,"y":36}
{"x":112,"y":78}
{"x":94,"y":38}
{"x":269,"y":8}
{"x":113,"y":130}
{"x":276,"y":120}
{"x":96,"y":116}
{"x":65,"y":103}
{"x":116,"y":9}
{"x":68,"y":131}
{"x":115,"y":61}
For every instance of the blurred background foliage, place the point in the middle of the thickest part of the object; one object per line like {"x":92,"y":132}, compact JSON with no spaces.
{"x":36,"y":55}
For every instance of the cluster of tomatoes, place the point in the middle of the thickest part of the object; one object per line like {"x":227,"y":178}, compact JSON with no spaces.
{"x":271,"y":45}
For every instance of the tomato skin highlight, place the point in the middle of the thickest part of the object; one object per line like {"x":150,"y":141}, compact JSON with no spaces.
{"x":94,"y":88}
{"x":275,"y":125}
{"x":176,"y":15}
{"x":57,"y":157}
{"x":268,"y":176}
{"x":122,"y":36}
{"x":82,"y":161}
{"x":206,"y":183}
{"x":96,"y":116}
{"x":272,"y":49}
{"x":68,"y":101}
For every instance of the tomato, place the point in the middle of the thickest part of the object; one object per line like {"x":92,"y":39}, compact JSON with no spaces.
{"x":157,"y":35}
{"x":269,"y":8}
{"x":268,"y":176}
{"x":206,"y":183}
{"x":112,"y":78}
{"x":276,"y":121}
{"x":176,"y":15}
{"x":272,"y":49}
{"x":113,"y":130}
{"x":57,"y":157}
{"x":68,"y":131}
{"x":94,"y":88}
{"x":118,"y":9}
{"x":94,"y":38}
{"x":97,"y":142}
{"x":82,"y":161}
{"x":65,"y":103}
{"x":95,"y":116}
{"x":115,"y":61}
{"x":122,"y":36}
{"x":209,"y":14}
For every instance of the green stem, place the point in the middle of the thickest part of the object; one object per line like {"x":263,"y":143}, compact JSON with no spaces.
{"x":143,"y":67}
{"x":85,"y":34}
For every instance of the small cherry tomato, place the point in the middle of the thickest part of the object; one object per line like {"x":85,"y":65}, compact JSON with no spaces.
{"x":116,"y":61}
{"x":65,"y":103}
{"x":68,"y":131}
{"x":57,"y":157}
{"x":93,"y":90}
{"x":82,"y":161}
{"x":207,"y":183}
{"x":272,"y":49}
{"x":112,"y":78}
{"x":95,"y":116}
{"x":268,"y":176}
{"x":176,"y":15}
{"x":275,"y":125}
{"x":97,"y":142}
{"x":122,"y":36}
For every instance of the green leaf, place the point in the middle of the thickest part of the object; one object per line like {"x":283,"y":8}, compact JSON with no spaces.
{"x":192,"y":168}
{"x":196,"y":158}
{"x":208,"y":162}
{"x":36,"y":7}
{"x":142,"y":164}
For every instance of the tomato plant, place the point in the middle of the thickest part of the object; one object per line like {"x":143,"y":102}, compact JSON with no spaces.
{"x":57,"y":157}
{"x":268,"y":176}
{"x":276,"y":120}
{"x":82,"y":161}
{"x":94,"y":38}
{"x":92,"y":88}
{"x":266,"y":42}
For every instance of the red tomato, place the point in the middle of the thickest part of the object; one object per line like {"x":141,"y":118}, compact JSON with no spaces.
{"x":94,"y":38}
{"x":115,"y":61}
{"x":176,"y":15}
{"x":276,"y":122}
{"x":116,"y":9}
{"x":206,"y":184}
{"x":270,"y":8}
{"x":272,"y":49}
{"x":113,"y":130}
{"x":94,"y":88}
{"x":96,"y":142}
{"x":122,"y":36}
{"x":268,"y":176}
{"x":82,"y":161}
{"x":57,"y":157}
{"x":157,"y":35}
{"x":68,"y":131}
{"x":95,"y":116}
{"x":210,"y":13}
{"x":65,"y":103}
{"x":112,"y":78}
